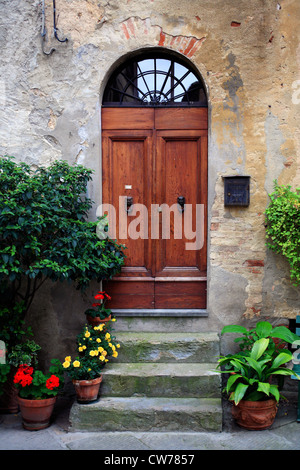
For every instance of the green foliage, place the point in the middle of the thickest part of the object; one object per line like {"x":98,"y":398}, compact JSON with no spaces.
{"x":251,"y":371}
{"x":4,"y":371}
{"x":24,"y":353}
{"x":45,"y":232}
{"x":283,"y":227}
{"x":12,"y":330}
{"x":262,"y":329}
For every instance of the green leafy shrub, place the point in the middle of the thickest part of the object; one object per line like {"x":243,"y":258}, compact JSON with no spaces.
{"x":45,"y":232}
{"x":283,"y":227}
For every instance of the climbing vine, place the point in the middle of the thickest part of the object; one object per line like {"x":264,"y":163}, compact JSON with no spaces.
{"x":283,"y":227}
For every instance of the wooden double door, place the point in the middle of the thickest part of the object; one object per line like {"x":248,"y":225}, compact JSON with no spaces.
{"x":154,"y":182}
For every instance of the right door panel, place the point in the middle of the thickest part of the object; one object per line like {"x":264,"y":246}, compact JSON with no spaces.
{"x":180,"y":276}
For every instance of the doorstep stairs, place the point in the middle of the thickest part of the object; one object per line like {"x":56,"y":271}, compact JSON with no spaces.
{"x":159,"y":382}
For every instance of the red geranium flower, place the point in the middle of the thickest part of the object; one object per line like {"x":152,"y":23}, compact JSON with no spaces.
{"x":25,"y":369}
{"x":99,"y":296}
{"x":23,"y":375}
{"x":52,"y":382}
{"x":104,"y":293}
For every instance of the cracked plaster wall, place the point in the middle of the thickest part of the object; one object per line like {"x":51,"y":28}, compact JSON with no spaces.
{"x":248,"y":54}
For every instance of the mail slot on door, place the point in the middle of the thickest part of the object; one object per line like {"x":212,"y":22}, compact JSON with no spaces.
{"x":236,"y":190}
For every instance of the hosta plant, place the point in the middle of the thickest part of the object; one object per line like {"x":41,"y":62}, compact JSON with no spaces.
{"x":250,"y":372}
{"x":278,"y":336}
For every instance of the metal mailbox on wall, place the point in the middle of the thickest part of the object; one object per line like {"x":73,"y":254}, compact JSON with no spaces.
{"x":236,"y":190}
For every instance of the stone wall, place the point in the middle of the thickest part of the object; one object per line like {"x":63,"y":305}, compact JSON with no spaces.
{"x":248,"y":54}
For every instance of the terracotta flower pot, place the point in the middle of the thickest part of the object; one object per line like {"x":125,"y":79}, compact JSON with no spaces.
{"x":255,"y":415}
{"x":36,"y":414}
{"x":95,"y":321}
{"x":9,"y":398}
{"x":87,"y":390}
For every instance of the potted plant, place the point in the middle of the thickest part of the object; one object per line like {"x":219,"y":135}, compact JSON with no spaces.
{"x":22,"y":353}
{"x":86,"y":375}
{"x":19,"y":350}
{"x":95,"y":345}
{"x":99,"y":314}
{"x":37,"y":394}
{"x":249,"y":386}
{"x":279,"y":337}
{"x":13,"y":334}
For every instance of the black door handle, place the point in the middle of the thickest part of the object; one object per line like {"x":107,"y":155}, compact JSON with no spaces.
{"x":129,"y":203}
{"x":181,"y":202}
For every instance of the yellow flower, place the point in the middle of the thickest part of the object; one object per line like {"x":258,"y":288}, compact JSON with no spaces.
{"x":98,"y":340}
{"x":87,"y":334}
{"x":80,"y":349}
{"x":66,"y":364}
{"x":118,"y":346}
{"x":100,"y":349}
{"x":76,"y":364}
{"x":68,"y":358}
{"x":106,"y":360}
{"x":113,"y":319}
{"x":101,"y":358}
{"x":115,"y":354}
{"x":109,"y":344}
{"x":92,"y":353}
{"x":107,"y":336}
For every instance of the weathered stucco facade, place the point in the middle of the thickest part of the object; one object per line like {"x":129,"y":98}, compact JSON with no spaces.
{"x":248,"y":54}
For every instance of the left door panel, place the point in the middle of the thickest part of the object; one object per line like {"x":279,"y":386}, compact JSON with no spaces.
{"x":127,"y":189}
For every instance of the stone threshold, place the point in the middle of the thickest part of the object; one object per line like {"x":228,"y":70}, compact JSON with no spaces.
{"x":139,"y":312}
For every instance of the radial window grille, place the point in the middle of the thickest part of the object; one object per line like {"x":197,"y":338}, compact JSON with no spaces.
{"x":154,"y":81}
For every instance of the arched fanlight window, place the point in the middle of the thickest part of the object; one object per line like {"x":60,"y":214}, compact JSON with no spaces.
{"x":155,"y":80}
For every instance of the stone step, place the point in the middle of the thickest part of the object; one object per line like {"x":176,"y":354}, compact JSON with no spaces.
{"x":148,"y":414}
{"x":161,"y":380}
{"x":173,"y":320}
{"x":167,"y":347}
